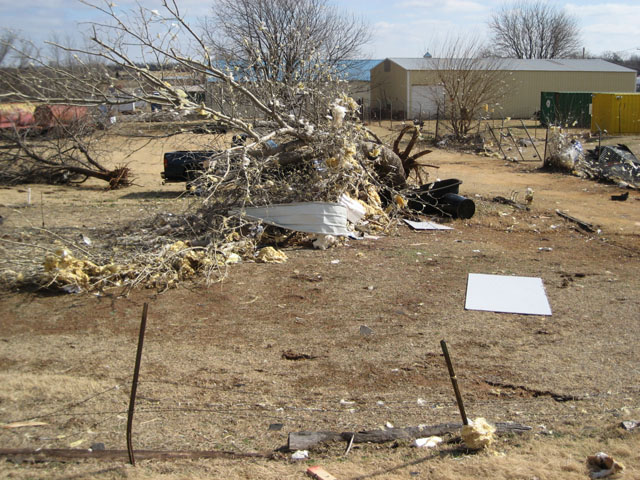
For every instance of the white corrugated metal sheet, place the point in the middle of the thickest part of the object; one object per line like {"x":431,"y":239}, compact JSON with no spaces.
{"x":309,"y":217}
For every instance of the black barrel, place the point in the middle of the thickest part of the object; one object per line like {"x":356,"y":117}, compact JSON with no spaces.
{"x":457,"y":205}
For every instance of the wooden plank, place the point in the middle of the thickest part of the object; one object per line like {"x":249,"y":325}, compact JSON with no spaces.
{"x":581,"y":223}
{"x":319,"y":473}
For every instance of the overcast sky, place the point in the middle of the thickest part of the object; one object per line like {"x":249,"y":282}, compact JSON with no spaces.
{"x":401,"y":28}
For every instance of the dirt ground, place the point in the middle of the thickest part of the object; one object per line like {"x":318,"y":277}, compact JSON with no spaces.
{"x":215,"y":372}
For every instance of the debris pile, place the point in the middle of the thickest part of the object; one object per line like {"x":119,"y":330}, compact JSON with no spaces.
{"x":564,"y":152}
{"x":173,"y":263}
{"x":611,"y":163}
{"x":315,"y":186}
{"x":602,"y":465}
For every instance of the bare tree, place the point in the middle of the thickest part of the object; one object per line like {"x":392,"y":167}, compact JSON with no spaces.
{"x":283,"y":39}
{"x":7,"y":40}
{"x":533,"y":29}
{"x":282,"y":44}
{"x":468,"y":82}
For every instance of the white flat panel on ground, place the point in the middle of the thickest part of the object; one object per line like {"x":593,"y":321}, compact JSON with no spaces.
{"x":426,"y":225}
{"x":501,"y":293}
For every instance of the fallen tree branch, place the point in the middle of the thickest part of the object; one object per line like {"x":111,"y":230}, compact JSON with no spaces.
{"x":306,"y":440}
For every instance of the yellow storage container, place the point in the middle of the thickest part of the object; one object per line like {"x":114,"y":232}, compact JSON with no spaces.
{"x":12,"y":107}
{"x":616,"y":112}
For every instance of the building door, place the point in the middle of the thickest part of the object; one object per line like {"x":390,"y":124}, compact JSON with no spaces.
{"x":424,"y":100}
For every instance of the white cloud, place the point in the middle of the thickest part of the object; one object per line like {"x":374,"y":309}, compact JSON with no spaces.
{"x":604,"y":9}
{"x":622,"y":30}
{"x":608,"y":26}
{"x":39,"y":4}
{"x":448,"y":6}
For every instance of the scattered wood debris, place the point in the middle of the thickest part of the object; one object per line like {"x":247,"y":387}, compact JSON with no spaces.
{"x":291,"y":355}
{"x":309,"y":439}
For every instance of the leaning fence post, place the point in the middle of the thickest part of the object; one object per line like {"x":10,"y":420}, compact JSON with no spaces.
{"x":454,"y":382}
{"x":134,"y":384}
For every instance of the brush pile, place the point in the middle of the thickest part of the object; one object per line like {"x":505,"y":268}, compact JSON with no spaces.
{"x":341,"y":160}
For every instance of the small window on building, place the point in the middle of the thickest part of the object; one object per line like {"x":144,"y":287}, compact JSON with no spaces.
{"x":387,"y":65}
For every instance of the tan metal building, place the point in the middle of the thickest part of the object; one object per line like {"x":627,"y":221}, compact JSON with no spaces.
{"x":409,"y":85}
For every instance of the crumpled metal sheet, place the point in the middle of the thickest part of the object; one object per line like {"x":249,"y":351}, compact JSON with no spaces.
{"x":614,"y":163}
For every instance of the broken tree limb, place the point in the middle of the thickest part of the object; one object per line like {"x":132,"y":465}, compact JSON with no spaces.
{"x":507,"y":201}
{"x":582,"y":224}
{"x":414,"y":138}
{"x":409,"y":162}
{"x":386,"y":163}
{"x":306,"y":440}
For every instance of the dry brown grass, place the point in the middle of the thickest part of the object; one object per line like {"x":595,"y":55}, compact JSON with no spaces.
{"x":42,"y":388}
{"x":213,"y":376}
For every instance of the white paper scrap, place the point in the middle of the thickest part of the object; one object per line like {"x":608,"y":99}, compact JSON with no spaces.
{"x":426,"y":225}
{"x":506,"y":294}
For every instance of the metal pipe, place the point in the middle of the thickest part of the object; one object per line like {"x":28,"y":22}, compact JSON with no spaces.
{"x":504,"y":155}
{"x":530,"y":139}
{"x":515,"y":144}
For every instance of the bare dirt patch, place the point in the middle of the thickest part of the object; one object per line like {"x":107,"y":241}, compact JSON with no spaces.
{"x":282,"y":343}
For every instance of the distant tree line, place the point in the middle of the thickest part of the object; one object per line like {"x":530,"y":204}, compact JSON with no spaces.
{"x":632,"y":62}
